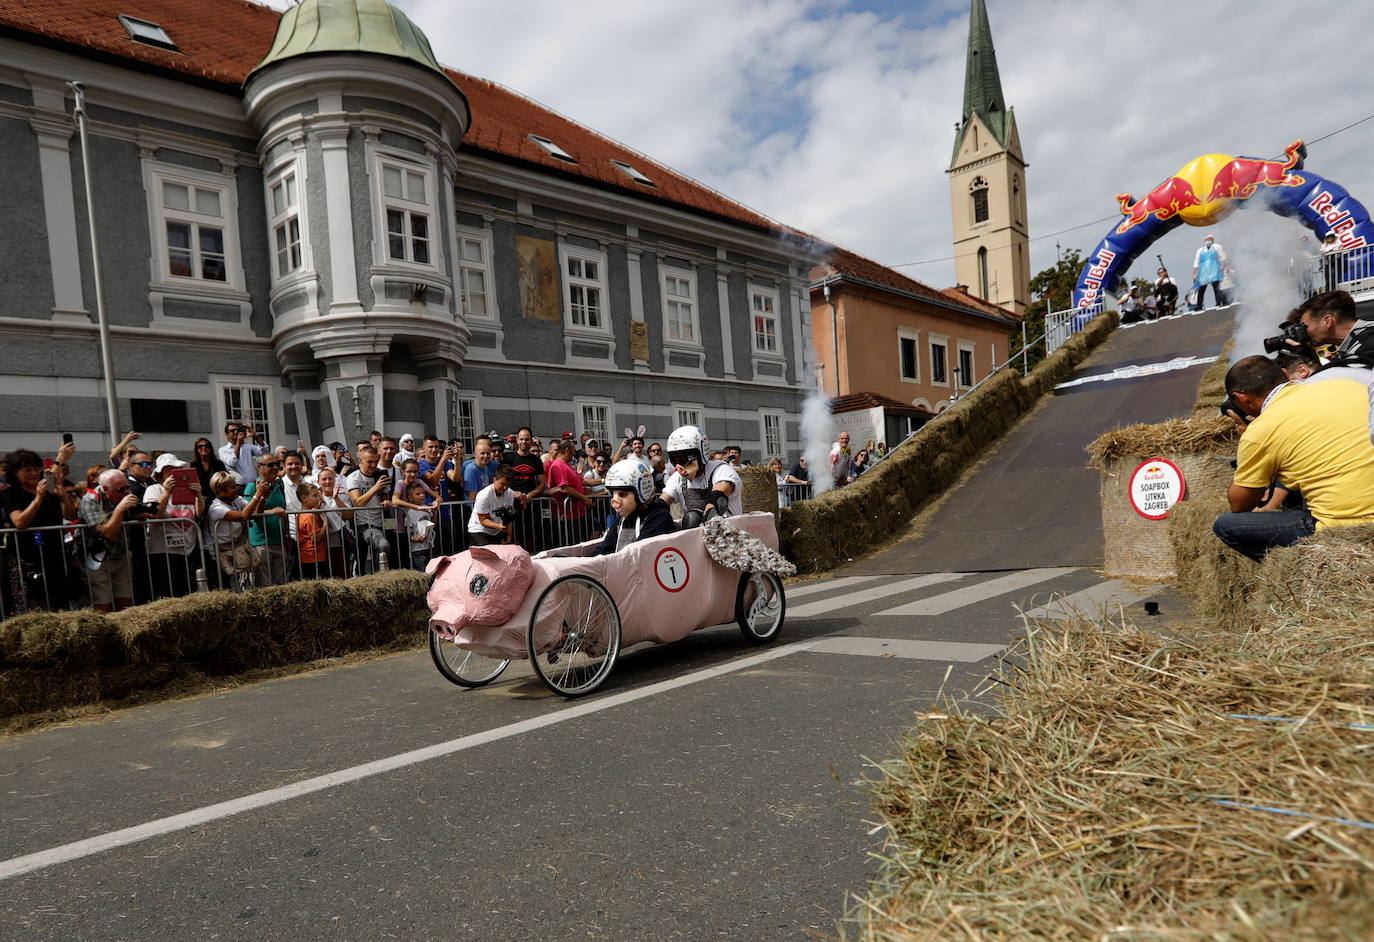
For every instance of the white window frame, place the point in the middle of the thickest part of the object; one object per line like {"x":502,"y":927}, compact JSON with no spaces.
{"x":764,"y":450}
{"x":381,"y":236}
{"x":939,"y":340}
{"x":460,"y":266}
{"x":475,"y":400}
{"x":688,"y":276}
{"x":552,"y":149}
{"x":966,"y":346}
{"x":773,"y":295}
{"x":567,"y":253}
{"x":222,"y":382}
{"x":584,"y":402}
{"x":278,"y":176}
{"x":683,"y":414}
{"x":914,"y":335}
{"x":156,"y":173}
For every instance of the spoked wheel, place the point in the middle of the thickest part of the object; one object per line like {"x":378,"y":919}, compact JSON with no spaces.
{"x":464,"y":668}
{"x":760,"y":606}
{"x":574,"y":635}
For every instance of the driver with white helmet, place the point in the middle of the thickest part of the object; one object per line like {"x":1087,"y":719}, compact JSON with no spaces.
{"x":697,"y":484}
{"x":638,"y":513}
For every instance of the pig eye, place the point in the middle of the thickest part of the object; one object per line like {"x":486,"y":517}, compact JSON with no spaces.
{"x":478,"y":585}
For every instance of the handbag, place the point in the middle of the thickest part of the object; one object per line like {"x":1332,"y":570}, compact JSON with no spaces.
{"x":239,"y":556}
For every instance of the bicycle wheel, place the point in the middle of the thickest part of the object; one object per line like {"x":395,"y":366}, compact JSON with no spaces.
{"x":760,"y":606}
{"x":582,"y":652}
{"x":464,"y":668}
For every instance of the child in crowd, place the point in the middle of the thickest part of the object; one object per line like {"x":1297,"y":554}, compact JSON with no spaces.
{"x":419,"y":527}
{"x":493,"y":513}
{"x":312,"y":534}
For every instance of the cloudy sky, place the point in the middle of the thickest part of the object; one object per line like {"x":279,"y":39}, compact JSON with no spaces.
{"x":837,"y":116}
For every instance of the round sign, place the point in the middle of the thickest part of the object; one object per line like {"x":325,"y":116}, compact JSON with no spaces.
{"x":1155,"y":487}
{"x":671,"y":570}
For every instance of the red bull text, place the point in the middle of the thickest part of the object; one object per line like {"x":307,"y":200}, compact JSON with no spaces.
{"x":1091,"y":282}
{"x":1338,"y":219}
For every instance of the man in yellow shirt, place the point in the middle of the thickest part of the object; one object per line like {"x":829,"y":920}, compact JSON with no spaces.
{"x":1313,"y":436}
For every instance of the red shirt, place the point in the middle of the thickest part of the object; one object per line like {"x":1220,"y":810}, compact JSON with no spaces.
{"x":562,"y":474}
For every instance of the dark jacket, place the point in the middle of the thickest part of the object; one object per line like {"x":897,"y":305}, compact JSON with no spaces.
{"x":654,"y":519}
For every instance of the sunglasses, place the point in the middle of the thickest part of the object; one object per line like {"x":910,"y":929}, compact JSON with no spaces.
{"x":144,"y":464}
{"x":655,"y":451}
{"x":203,"y":445}
{"x":119,"y":490}
{"x":270,"y":464}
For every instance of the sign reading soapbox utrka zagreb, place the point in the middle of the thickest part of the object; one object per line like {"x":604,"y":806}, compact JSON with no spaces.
{"x":1155,"y":487}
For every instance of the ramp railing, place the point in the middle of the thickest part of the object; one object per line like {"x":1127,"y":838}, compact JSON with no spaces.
{"x":1061,"y":325}
{"x":1348,"y":270}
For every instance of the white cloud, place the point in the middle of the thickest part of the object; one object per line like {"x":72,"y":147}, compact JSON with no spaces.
{"x":838,"y":117}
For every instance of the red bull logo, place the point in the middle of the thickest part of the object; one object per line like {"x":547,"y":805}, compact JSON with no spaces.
{"x":1340,"y":220}
{"x":1091,"y":283}
{"x":1203,"y":189}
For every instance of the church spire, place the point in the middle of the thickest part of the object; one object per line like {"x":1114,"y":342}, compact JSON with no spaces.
{"x":982,"y":82}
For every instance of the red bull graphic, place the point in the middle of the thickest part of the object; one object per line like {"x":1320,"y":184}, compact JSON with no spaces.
{"x":1211,"y":187}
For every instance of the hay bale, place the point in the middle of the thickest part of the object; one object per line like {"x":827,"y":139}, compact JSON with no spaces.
{"x":1203,"y":435}
{"x":78,"y":639}
{"x":35,"y":689}
{"x":1221,"y":580}
{"x":759,"y":489}
{"x":1211,"y":387}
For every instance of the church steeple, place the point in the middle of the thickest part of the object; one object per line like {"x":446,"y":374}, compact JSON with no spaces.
{"x":982,"y":82}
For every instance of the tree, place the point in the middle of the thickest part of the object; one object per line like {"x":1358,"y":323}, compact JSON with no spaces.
{"x":1052,"y":290}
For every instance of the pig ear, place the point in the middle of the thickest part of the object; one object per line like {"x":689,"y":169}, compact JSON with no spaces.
{"x":481,"y":552}
{"x":436,"y":566}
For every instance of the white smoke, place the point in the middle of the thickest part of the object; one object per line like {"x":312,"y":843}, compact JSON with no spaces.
{"x":1266,"y":254}
{"x":817,"y":435}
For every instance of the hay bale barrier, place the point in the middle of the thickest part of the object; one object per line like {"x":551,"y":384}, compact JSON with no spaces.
{"x":1128,"y":786}
{"x":56,"y":660}
{"x":827,"y":531}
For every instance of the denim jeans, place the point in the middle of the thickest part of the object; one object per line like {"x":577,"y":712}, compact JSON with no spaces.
{"x":1253,"y":534}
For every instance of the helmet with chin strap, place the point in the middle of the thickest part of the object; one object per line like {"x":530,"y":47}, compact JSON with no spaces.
{"x":631,"y":474}
{"x":685,"y":445}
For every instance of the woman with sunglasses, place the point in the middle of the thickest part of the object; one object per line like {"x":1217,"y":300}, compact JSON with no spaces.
{"x":38,"y":577}
{"x":206,"y":463}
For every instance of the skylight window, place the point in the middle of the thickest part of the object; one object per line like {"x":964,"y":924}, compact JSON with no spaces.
{"x":145,"y":32}
{"x":631,"y":172}
{"x":552,"y":149}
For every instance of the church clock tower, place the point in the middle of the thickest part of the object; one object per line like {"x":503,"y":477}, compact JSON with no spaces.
{"x":987,"y":181}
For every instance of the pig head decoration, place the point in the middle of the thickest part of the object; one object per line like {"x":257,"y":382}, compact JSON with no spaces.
{"x":481,"y":586}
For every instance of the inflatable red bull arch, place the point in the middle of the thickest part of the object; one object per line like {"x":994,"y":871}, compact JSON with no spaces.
{"x":1207,"y":190}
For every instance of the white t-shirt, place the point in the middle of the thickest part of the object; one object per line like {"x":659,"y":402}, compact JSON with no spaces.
{"x":417,"y":522}
{"x":370,"y":513}
{"x":487,"y":501}
{"x":178,"y":535}
{"x":220,"y":531}
{"x":716,"y":471}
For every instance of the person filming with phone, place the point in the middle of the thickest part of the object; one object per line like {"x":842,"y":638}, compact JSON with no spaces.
{"x":35,"y":498}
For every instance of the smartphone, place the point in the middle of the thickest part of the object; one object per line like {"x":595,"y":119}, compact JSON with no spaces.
{"x":66,"y":438}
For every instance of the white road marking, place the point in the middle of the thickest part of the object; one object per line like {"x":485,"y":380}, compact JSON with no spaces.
{"x":948,"y":601}
{"x":1147,"y":369}
{"x":960,"y":651}
{"x":225,"y":809}
{"x":1092,"y":600}
{"x":811,"y":588}
{"x":863,"y":596}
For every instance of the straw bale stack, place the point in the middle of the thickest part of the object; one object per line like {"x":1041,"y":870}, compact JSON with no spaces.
{"x":759,"y":490}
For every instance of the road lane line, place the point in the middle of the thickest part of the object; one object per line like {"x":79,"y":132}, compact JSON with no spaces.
{"x":949,"y":601}
{"x":811,"y":588}
{"x":960,"y":651}
{"x":123,"y":837}
{"x":864,"y":596}
{"x":1092,"y":600}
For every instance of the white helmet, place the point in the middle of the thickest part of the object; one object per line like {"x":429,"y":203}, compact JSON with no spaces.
{"x":687,"y":444}
{"x":633,"y":475}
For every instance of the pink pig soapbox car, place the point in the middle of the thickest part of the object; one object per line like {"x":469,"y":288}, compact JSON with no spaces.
{"x":571,"y":613}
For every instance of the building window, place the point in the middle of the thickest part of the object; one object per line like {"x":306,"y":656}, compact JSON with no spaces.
{"x":594,"y":417}
{"x":465,"y":422}
{"x":631,"y":172}
{"x":939,"y":363}
{"x":406,"y":206}
{"x":146,"y":32}
{"x":985,"y":293}
{"x":283,"y":201}
{"x":908,"y":358}
{"x":584,"y":289}
{"x":195,"y":227}
{"x":680,"y":307}
{"x":763,"y":305}
{"x":474,"y":273}
{"x":1016,"y":196}
{"x":772,"y":435}
{"x":979,"y":192}
{"x":249,"y":404}
{"x":965,"y":366}
{"x":686,"y":415}
{"x":552,"y":149}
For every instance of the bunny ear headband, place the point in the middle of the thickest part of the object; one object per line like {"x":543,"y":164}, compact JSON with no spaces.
{"x":630,"y":434}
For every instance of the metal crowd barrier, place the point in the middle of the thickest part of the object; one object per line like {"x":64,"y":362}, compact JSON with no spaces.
{"x":68,"y":566}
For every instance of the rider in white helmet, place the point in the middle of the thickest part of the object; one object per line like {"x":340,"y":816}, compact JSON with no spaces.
{"x":696,"y":484}
{"x":638,"y":514}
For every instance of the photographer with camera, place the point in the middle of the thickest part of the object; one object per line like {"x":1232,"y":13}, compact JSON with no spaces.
{"x":1312,"y":436}
{"x":1329,"y":318}
{"x":493,"y":513}
{"x":107,"y":553}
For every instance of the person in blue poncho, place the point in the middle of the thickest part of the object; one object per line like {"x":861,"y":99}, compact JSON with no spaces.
{"x":1209,"y":267}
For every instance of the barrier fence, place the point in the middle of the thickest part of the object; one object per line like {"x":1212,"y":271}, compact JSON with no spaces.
{"x":52,"y":568}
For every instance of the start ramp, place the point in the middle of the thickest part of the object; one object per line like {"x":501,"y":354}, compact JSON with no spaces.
{"x":1033,"y":502}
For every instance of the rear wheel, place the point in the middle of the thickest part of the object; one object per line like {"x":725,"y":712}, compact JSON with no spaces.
{"x":574,"y":635}
{"x":760,"y":606}
{"x":464,"y":668}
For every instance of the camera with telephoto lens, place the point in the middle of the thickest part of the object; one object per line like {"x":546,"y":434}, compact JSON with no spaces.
{"x":1295,"y":331}
{"x":504,"y":514}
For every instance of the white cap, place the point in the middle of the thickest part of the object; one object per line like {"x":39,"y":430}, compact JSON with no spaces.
{"x":168,"y":460}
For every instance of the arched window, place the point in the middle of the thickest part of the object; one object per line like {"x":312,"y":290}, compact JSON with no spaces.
{"x":1016,"y":197}
{"x":978,"y":191}
{"x":986,"y":294}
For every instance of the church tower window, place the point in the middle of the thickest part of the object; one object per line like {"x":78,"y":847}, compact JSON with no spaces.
{"x":979,"y":192}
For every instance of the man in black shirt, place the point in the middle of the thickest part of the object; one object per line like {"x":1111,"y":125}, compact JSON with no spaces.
{"x":527,"y":481}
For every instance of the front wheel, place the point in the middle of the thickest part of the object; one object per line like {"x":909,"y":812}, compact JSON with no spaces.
{"x":574,"y":635}
{"x":464,"y":668}
{"x":760,"y":606}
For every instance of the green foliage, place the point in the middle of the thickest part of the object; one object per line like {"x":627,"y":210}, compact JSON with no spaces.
{"x":1052,"y":290}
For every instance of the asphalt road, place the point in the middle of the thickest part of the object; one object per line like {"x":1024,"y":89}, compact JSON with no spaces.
{"x":707,"y":791}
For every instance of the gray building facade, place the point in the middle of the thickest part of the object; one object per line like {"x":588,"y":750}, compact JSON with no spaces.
{"x":325,"y":232}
